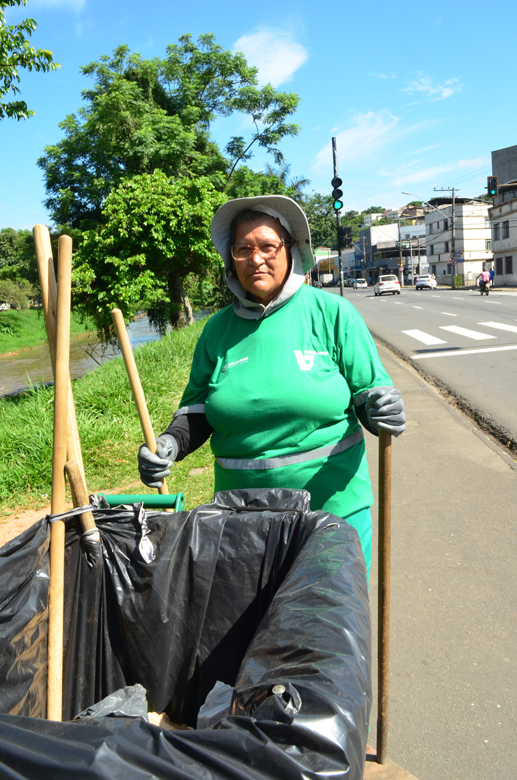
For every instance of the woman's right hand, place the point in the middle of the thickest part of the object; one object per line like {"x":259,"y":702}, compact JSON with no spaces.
{"x":153,"y":468}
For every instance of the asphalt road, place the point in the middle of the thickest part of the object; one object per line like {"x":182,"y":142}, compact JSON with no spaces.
{"x":466,"y":340}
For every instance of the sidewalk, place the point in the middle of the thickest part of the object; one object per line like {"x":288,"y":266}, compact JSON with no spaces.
{"x":453,"y":682}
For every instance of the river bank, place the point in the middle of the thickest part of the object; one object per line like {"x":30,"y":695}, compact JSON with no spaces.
{"x":25,"y":328}
{"x":108,"y":426}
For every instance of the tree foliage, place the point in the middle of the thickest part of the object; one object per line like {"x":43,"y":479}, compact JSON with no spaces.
{"x":17,"y":258}
{"x":155,"y":231}
{"x":146,"y":115}
{"x":16,"y":293}
{"x":15,"y":53}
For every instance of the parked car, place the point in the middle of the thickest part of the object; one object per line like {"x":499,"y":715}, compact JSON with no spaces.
{"x":360,"y":284}
{"x":426,"y":281}
{"x":4,"y":306}
{"x":387,"y":284}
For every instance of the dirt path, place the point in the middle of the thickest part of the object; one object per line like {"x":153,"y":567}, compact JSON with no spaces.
{"x":15,"y":524}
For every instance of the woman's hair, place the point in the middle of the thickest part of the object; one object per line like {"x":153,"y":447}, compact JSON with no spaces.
{"x":249,"y":215}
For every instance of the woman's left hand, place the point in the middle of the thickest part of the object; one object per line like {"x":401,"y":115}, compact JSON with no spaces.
{"x":385,"y":409}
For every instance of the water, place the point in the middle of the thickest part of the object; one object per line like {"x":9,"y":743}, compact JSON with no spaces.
{"x":18,"y":371}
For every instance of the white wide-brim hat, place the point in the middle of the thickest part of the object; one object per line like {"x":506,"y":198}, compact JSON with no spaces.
{"x":282,"y":208}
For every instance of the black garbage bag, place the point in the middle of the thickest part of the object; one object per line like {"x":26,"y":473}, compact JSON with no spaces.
{"x":255,"y":591}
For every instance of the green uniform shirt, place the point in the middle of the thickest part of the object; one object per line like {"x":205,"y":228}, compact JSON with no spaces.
{"x":283,"y":385}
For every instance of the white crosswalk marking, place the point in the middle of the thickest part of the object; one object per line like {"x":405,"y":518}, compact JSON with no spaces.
{"x":425,"y":338}
{"x":470,"y":334}
{"x":499,"y":326}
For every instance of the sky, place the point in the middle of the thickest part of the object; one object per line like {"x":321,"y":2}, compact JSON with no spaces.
{"x":417,"y":94}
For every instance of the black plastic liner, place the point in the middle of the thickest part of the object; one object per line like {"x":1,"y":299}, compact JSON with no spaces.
{"x":253,"y":590}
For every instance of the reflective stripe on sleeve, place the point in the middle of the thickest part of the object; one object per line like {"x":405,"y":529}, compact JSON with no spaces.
{"x":194,"y":409}
{"x":290,"y":460}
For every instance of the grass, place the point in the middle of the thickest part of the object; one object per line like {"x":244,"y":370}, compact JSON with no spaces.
{"x":108,"y":427}
{"x":24,"y":328}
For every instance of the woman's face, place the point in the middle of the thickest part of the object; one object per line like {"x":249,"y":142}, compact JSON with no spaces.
{"x":262,"y":278}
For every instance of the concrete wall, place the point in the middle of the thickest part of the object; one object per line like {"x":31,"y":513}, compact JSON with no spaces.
{"x":504,"y":164}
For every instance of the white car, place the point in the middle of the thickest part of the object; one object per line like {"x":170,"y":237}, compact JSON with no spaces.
{"x":387,"y":284}
{"x":360,"y":284}
{"x":426,"y":281}
{"x":4,"y":306}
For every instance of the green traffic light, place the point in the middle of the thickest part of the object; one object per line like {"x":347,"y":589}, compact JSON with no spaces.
{"x":338,"y":205}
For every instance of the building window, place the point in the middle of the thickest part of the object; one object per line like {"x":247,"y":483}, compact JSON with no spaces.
{"x":508,"y":265}
{"x":496,"y":235}
{"x":446,"y":224}
{"x":446,"y":246}
{"x":449,"y":268}
{"x":433,"y":269}
{"x":488,"y":244}
{"x":431,"y":229}
{"x":431,"y":249}
{"x":506,"y":229}
{"x":499,"y":266}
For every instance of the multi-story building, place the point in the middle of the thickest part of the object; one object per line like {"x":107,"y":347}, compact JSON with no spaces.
{"x":503,"y":216}
{"x":393,"y":213}
{"x":369,"y":219}
{"x":379,"y":250}
{"x":472,"y":238}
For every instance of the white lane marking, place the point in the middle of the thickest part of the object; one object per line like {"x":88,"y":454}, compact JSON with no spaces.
{"x":449,"y":314}
{"x":499,"y":326}
{"x":458,"y":299}
{"x":457,"y":352}
{"x":495,"y":303}
{"x":398,"y":303}
{"x":425,"y":338}
{"x":470,"y":334}
{"x":418,"y":307}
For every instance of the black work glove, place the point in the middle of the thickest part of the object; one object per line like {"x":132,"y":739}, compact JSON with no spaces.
{"x":385,"y":409}
{"x":154,"y":468}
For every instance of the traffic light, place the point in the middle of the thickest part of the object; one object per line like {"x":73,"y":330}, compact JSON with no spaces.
{"x":345,"y":237}
{"x":337,"y":194}
{"x":492,"y":186}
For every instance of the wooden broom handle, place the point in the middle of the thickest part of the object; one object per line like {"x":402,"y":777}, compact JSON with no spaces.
{"x":136,"y":386}
{"x":59,"y":450}
{"x":384,"y":551}
{"x":47,"y":278}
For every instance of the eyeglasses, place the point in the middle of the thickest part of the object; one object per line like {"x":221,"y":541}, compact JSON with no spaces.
{"x":267,"y":250}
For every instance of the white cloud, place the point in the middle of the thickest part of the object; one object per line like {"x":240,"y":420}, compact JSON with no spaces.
{"x":384,"y":75}
{"x":367,"y":134}
{"x":410,"y":173}
{"x":274,"y":52}
{"x":471,"y":163}
{"x":425,"y":86}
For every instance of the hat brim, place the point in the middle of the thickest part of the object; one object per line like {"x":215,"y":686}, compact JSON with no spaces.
{"x":286,"y":207}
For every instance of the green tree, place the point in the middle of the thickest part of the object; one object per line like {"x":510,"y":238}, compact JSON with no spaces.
{"x":17,"y":257}
{"x":16,"y":293}
{"x":374,"y":210}
{"x":16,"y":52}
{"x":146,"y":115}
{"x":322,"y":219}
{"x":155,"y":232}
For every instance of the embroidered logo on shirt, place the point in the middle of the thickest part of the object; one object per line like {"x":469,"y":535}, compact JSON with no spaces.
{"x":306,"y":359}
{"x":234,"y":363}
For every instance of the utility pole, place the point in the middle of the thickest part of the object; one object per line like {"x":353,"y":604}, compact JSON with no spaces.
{"x":453,"y":227}
{"x":419,"y":259}
{"x":364,"y":258}
{"x":411,"y":260}
{"x":401,"y":261}
{"x":336,"y":183}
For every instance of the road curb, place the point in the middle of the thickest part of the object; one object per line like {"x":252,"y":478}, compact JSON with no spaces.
{"x":498,"y":438}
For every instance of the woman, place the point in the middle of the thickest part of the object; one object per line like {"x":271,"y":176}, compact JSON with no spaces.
{"x":281,"y":378}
